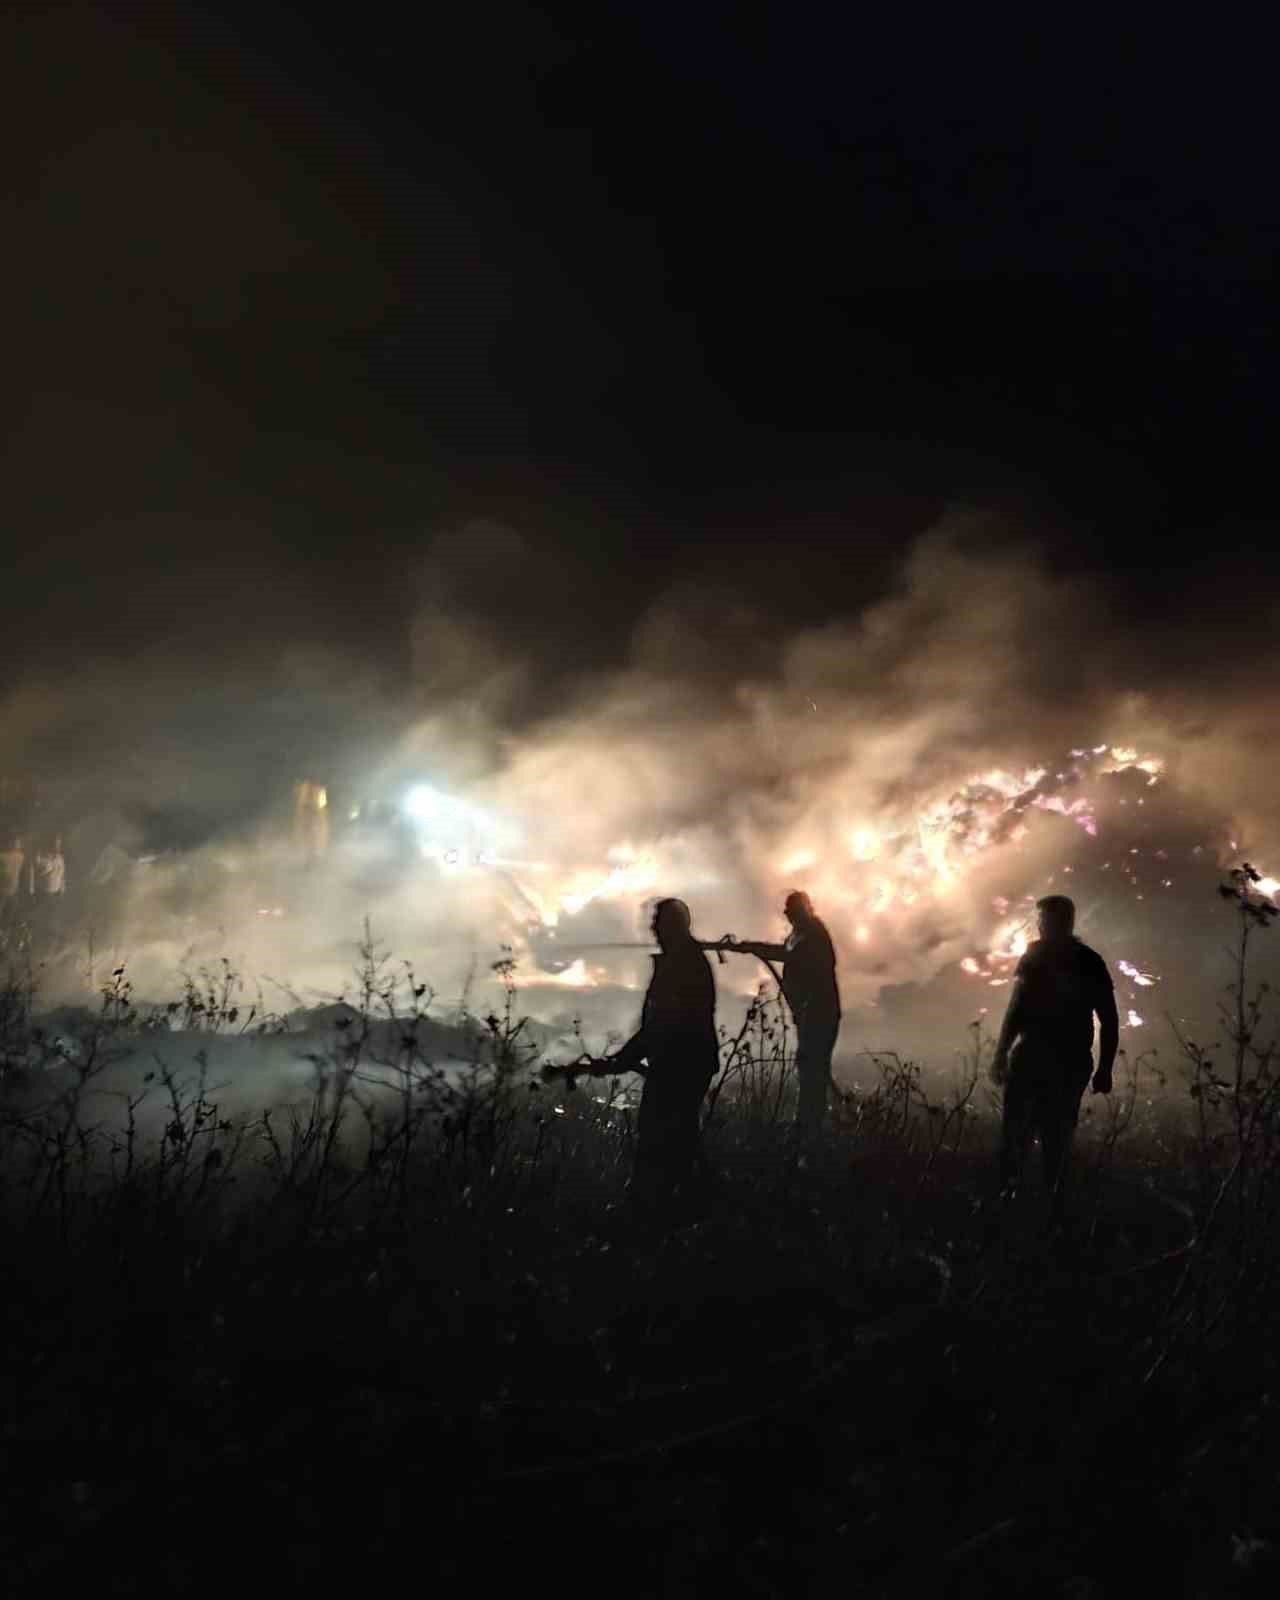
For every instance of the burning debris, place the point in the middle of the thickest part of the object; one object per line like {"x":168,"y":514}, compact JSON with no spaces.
{"x":883,"y":881}
{"x":914,"y":886}
{"x":887,"y":870}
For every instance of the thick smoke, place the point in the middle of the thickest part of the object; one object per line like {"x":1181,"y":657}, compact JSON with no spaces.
{"x":251,"y":548}
{"x":722,"y":758}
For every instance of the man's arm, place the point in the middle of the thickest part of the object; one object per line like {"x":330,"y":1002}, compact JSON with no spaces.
{"x":637,"y":1047}
{"x":1009,"y":1031}
{"x":757,"y":947}
{"x":677,"y":999}
{"x":628,"y":1059}
{"x":1108,"y":1036}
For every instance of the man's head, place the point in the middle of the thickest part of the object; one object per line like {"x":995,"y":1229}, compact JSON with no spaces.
{"x":1057,"y":918}
{"x":798,"y":909}
{"x":671,"y":923}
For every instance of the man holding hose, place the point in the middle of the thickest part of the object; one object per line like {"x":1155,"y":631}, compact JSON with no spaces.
{"x":809,"y":984}
{"x":677,"y":1051}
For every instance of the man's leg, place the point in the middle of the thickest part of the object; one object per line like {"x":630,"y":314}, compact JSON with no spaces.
{"x":667,"y":1132}
{"x":1057,"y":1135}
{"x":814,"y":1046}
{"x":1015,"y":1124}
{"x":646,"y":1174}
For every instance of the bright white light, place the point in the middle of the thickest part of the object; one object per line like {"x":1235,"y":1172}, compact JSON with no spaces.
{"x":423,"y":802}
{"x":1135,"y":1021}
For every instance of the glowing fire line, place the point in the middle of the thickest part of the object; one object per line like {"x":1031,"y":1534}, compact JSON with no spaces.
{"x":878,"y":872}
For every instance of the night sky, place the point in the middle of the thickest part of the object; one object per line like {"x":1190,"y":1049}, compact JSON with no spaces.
{"x":691,"y":301}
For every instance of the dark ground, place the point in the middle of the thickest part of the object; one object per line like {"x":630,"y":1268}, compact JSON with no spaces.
{"x":846,"y":1377}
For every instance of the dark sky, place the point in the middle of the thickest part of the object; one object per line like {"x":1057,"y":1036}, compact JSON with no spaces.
{"x":671,"y":290}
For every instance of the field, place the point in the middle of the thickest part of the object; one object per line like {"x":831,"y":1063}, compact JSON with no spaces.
{"x":413,"y":1322}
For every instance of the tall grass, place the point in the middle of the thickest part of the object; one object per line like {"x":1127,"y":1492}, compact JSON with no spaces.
{"x":441,"y":1267}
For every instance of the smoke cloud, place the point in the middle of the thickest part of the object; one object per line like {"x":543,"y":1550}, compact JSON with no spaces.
{"x":910,"y":763}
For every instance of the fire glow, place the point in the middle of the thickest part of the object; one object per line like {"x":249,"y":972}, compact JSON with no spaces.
{"x":885,"y":873}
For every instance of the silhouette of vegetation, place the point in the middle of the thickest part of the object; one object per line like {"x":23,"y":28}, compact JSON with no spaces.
{"x":410,"y":1316}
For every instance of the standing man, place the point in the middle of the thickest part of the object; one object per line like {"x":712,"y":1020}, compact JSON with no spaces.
{"x":51,"y":870}
{"x":1044,"y":1056}
{"x":12,"y":861}
{"x":51,"y":885}
{"x":809,"y":983}
{"x":677,"y":1052}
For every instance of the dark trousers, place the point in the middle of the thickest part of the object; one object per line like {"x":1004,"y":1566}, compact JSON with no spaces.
{"x":668,"y":1135}
{"x":47,"y":914}
{"x":1042,"y":1097}
{"x":815,"y":1042}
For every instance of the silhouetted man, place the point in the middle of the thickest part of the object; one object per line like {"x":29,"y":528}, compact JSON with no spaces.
{"x":12,"y":875}
{"x":51,"y":871}
{"x":50,"y":875}
{"x":678,"y":1048}
{"x":1044,"y":1055}
{"x":809,"y":983}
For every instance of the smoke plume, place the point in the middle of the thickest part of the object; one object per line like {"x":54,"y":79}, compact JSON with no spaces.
{"x":925,"y":766}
